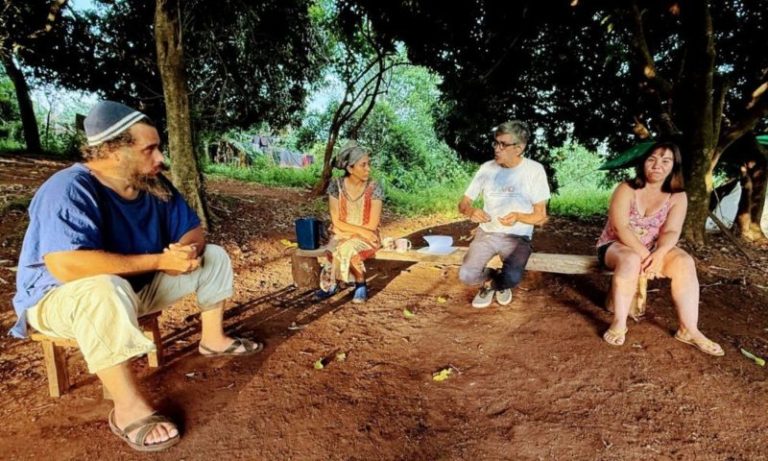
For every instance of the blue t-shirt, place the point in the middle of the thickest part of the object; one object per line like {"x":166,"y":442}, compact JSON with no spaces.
{"x":72,"y":210}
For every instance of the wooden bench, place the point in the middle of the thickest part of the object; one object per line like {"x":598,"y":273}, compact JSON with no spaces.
{"x":55,"y":357}
{"x":305,"y":268}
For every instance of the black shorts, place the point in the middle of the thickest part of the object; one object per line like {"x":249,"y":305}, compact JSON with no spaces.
{"x":601,"y":250}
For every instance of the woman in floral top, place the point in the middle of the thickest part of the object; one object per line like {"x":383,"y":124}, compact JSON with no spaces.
{"x":645,"y":218}
{"x":355,"y":202}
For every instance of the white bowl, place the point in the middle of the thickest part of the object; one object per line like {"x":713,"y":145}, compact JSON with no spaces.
{"x":439,"y":241}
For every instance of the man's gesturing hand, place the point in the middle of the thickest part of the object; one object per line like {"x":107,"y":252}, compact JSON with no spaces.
{"x":509,"y":219}
{"x":479,"y":216}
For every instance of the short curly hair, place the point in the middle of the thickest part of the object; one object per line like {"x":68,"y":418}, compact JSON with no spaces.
{"x":517,"y":128}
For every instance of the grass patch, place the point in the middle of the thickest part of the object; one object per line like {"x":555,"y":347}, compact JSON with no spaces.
{"x":267,"y":174}
{"x":440,"y":199}
{"x":580,"y":202}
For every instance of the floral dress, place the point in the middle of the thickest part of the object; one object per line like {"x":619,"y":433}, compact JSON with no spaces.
{"x":344,"y":246}
{"x":647,"y":228}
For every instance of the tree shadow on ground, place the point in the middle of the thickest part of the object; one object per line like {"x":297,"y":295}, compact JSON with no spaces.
{"x":274,"y":317}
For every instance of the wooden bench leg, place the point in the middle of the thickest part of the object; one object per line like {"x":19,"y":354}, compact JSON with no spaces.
{"x":152,"y":331}
{"x":55,"y":359}
{"x":305,"y":271}
{"x":55,"y":368}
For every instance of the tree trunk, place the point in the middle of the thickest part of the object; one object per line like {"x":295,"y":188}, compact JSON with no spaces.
{"x":694,"y":109}
{"x":26,"y":110}
{"x":325,"y":176}
{"x":752,"y":200}
{"x":759,"y":189}
{"x":185,"y":168}
{"x":699,"y":189}
{"x":354,"y":99}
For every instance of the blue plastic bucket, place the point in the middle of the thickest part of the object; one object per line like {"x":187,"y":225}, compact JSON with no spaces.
{"x":308,"y":233}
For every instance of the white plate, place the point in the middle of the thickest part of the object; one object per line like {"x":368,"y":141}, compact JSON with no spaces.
{"x":437,"y":251}
{"x":439,"y":241}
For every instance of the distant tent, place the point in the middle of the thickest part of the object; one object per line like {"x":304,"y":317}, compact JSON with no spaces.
{"x":291,"y":159}
{"x":727,"y":206}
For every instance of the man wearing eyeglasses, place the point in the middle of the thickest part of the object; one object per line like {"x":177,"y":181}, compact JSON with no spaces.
{"x":515,"y":193}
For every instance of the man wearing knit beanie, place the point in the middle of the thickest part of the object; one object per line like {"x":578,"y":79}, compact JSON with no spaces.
{"x":110,"y":240}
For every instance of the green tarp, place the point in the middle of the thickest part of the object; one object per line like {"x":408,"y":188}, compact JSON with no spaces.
{"x":626,"y":158}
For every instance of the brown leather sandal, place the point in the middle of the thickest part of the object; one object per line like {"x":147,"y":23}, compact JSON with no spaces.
{"x":144,"y":425}
{"x":249,"y":347}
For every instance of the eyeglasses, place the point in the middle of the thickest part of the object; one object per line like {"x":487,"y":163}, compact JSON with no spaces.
{"x":503,"y":145}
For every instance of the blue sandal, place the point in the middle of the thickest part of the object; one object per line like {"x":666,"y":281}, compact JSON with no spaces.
{"x":322,"y":295}
{"x":361,"y":293}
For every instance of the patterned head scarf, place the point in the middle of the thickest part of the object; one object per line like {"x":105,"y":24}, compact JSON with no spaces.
{"x":350,"y":154}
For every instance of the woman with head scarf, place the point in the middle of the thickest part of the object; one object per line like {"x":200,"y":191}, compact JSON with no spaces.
{"x":355,"y":203}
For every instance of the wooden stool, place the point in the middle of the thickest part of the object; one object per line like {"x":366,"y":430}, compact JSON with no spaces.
{"x":56,"y":360}
{"x":637,"y":308}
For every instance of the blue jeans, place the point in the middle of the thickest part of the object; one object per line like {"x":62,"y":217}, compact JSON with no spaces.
{"x":514,"y":251}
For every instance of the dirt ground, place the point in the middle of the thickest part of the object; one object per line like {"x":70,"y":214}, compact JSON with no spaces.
{"x":529,"y":381}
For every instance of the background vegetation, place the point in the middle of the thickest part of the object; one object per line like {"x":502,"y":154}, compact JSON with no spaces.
{"x":420,"y":84}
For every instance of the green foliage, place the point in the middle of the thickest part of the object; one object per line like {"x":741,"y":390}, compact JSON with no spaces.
{"x":10,"y":145}
{"x":56,"y":112}
{"x":572,"y":69}
{"x":409,"y":159}
{"x":407,"y":154}
{"x":439,"y":199}
{"x":401,"y":132}
{"x":250,"y":62}
{"x":21,"y":26}
{"x":576,"y":168}
{"x":65,"y":142}
{"x":583,"y":190}
{"x":10,"y":121}
{"x":264,"y":171}
{"x":580,"y":202}
{"x":434,"y":195}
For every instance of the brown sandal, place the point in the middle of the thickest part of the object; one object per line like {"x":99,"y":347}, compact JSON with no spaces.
{"x":249,"y":347}
{"x":144,"y":426}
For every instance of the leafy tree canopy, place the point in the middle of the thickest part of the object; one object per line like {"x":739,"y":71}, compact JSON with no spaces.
{"x":250,"y":62}
{"x":566,"y":67}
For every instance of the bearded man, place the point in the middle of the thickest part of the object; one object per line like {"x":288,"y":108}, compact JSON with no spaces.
{"x":110,"y":240}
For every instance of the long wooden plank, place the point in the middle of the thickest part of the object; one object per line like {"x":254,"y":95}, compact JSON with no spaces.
{"x":540,"y":262}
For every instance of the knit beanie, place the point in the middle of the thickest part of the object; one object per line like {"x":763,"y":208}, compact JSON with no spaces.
{"x":107,"y":120}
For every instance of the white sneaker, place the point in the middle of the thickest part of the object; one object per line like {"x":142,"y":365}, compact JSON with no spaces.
{"x":483,"y":298}
{"x":504,"y":297}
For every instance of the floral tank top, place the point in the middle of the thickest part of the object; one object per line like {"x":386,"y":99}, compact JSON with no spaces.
{"x":647,"y":228}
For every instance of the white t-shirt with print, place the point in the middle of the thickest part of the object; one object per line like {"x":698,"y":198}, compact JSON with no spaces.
{"x":509,"y":189}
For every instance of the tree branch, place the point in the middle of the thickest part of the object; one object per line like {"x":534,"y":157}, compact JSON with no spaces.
{"x":53,"y":15}
{"x":505,"y":54}
{"x":643,"y":57}
{"x":757,"y":109}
